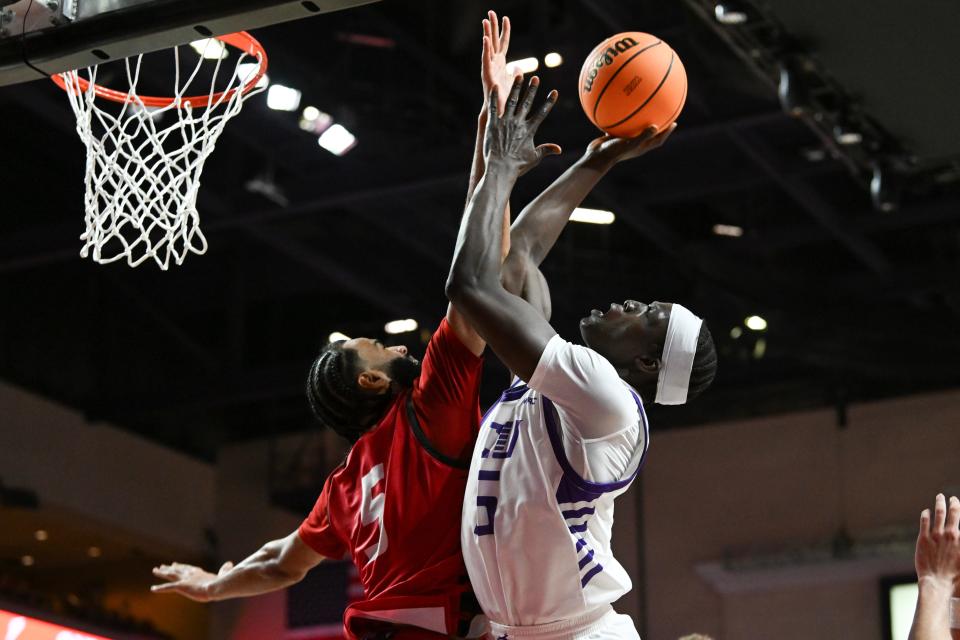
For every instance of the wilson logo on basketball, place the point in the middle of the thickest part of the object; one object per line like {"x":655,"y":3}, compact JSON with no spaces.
{"x":606,"y":58}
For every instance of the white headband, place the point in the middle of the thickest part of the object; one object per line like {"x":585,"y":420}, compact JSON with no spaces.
{"x":679,"y":349}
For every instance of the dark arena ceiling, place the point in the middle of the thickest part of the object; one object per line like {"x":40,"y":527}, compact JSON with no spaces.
{"x":860,"y":291}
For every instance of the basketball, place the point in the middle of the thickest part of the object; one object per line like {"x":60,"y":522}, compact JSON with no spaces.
{"x":631,"y":81}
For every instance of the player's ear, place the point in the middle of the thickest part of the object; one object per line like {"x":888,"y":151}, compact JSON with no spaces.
{"x":373,"y":380}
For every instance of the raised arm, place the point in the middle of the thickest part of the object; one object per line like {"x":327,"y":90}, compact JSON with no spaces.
{"x":276,"y":565}
{"x":515,"y":330}
{"x":937,"y":561}
{"x":540,"y":223}
{"x":493,"y":73}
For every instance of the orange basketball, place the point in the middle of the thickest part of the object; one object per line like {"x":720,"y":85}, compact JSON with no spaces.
{"x":631,"y":81}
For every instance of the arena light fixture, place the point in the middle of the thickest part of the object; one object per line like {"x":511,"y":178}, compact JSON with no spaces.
{"x":315,"y":121}
{"x":40,"y":535}
{"x":793,"y":90}
{"x":210,"y":48}
{"x":249,"y":70}
{"x":759,"y":349}
{"x":524,"y":65}
{"x":755,"y":323}
{"x":846,"y":135}
{"x":729,"y":230}
{"x":730,"y":13}
{"x":401,"y":326}
{"x":27,"y":561}
{"x":553,"y":59}
{"x":336,"y":336}
{"x":281,"y":98}
{"x":94,"y":552}
{"x":337,"y":140}
{"x":592,"y":216}
{"x":885,"y":189}
{"x":736,"y":332}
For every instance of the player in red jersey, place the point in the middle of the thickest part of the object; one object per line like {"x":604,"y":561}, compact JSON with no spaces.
{"x":394,"y":504}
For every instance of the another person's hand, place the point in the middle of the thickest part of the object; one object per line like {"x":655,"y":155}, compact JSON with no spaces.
{"x":937,"y":558}
{"x":187,"y":580}
{"x":508,"y":143}
{"x":493,"y":66}
{"x":609,"y":149}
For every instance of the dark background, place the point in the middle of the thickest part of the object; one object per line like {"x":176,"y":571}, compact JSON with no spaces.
{"x":861,"y":303}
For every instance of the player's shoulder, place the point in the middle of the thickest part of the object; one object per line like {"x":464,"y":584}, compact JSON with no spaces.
{"x":561,"y":358}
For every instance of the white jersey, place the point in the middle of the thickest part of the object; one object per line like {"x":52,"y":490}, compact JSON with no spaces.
{"x":550,"y":459}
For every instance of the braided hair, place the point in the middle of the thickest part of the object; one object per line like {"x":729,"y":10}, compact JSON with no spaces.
{"x":336,"y":399}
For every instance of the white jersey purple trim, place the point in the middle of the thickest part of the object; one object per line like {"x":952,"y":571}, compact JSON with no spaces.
{"x":536,"y":532}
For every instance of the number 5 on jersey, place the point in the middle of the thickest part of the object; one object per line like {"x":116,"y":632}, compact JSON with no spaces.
{"x":371,"y":510}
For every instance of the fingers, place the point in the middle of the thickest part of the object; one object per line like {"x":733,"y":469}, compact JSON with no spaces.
{"x":939,"y":515}
{"x":924,"y":524}
{"x":225,"y":568}
{"x":529,"y":96}
{"x":545,"y":150}
{"x":166,"y":572}
{"x":514,"y":96}
{"x":495,"y":26}
{"x":544,"y":110}
{"x":487,"y":32}
{"x":649,"y":133}
{"x":953,"y":516}
{"x":164,"y":588}
{"x":493,"y":106}
{"x":487,"y":49}
{"x":663,"y":136}
{"x":505,"y":36}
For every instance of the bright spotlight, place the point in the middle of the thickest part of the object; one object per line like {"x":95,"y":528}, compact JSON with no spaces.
{"x":592,"y":216}
{"x":755,"y":323}
{"x":210,"y":48}
{"x":311,"y":113}
{"x":729,"y":230}
{"x":401,"y":326}
{"x":846,"y":135}
{"x":247,"y":70}
{"x":553,"y":59}
{"x":729,"y":13}
{"x":524,"y":65}
{"x":337,"y":140}
{"x":281,"y":98}
{"x":336,"y":336}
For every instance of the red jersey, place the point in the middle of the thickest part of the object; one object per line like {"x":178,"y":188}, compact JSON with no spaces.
{"x":394,"y":504}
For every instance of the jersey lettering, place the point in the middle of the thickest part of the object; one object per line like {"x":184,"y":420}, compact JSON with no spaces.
{"x":371,"y":510}
{"x":493,"y":459}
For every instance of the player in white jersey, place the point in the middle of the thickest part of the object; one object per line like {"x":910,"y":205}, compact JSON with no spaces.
{"x":554,"y":452}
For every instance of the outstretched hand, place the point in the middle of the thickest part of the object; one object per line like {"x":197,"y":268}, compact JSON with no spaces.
{"x":508,"y":142}
{"x":614,"y":150}
{"x":937,"y":555}
{"x":493,"y":65}
{"x":187,"y":580}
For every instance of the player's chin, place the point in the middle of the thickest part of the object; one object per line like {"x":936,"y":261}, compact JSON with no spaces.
{"x":590,"y":327}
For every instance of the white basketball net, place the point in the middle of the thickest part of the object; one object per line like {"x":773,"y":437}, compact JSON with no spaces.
{"x":142,"y":176}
